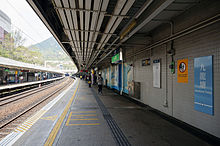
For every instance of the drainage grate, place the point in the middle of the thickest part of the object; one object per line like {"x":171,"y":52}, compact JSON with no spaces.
{"x":119,"y":136}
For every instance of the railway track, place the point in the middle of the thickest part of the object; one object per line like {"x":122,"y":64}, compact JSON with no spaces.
{"x":13,"y":120}
{"x":9,"y":99}
{"x":8,"y":92}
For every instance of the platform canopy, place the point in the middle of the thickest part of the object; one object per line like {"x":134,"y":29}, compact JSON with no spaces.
{"x":90,"y":30}
{"x":13,"y":64}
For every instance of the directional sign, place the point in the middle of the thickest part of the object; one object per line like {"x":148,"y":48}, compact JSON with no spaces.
{"x":116,"y":58}
{"x":203,"y":84}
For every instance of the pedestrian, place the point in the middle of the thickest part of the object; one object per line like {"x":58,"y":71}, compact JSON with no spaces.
{"x":89,"y":81}
{"x":100,"y":82}
{"x":21,"y":79}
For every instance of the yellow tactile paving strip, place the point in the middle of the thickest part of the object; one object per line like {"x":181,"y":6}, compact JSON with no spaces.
{"x":81,"y":116}
{"x":27,"y":124}
{"x":56,"y":128}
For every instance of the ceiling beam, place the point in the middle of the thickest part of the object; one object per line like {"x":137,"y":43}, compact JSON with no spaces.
{"x":91,"y":31}
{"x":143,"y":19}
{"x":91,"y":11}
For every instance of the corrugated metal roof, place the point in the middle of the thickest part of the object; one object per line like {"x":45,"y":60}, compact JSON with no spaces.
{"x":86,"y":28}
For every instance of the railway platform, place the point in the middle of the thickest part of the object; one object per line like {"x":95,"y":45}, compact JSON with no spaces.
{"x":80,"y":116}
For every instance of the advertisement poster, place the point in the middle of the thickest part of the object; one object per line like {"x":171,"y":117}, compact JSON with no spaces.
{"x":182,"y":71}
{"x":104,"y":76}
{"x":156,"y":73}
{"x":107,"y":76}
{"x":127,"y":76}
{"x":203,"y":85}
{"x":114,"y":77}
{"x":119,"y":77}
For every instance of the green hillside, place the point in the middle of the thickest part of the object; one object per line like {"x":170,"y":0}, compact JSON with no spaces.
{"x":51,"y":50}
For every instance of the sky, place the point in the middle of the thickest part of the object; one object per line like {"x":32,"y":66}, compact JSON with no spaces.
{"x":23,"y":17}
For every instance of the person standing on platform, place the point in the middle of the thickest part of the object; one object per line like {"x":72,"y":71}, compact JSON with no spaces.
{"x":100,"y":82}
{"x":89,"y":80}
{"x":21,"y":79}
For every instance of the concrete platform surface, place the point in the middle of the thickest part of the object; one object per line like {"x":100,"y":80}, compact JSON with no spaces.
{"x":84,"y":118}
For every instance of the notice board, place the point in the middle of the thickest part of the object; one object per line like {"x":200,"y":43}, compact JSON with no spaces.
{"x":203,"y":84}
{"x":156,"y":73}
{"x":182,"y":71}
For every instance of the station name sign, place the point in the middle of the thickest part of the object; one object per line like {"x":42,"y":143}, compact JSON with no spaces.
{"x":203,"y":85}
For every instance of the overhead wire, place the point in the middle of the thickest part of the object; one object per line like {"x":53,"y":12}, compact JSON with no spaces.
{"x":24,"y":19}
{"x":14,"y":8}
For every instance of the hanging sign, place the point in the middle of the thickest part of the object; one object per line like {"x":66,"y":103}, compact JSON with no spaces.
{"x":156,"y":73}
{"x":203,"y":84}
{"x":182,"y":71}
{"x":117,"y":57}
{"x":6,"y":70}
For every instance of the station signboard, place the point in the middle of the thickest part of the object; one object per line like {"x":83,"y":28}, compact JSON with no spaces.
{"x":203,"y":85}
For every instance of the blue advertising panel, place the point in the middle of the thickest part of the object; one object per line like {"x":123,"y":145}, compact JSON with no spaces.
{"x":203,"y":85}
{"x":125,"y":84}
{"x":119,"y":77}
{"x":127,"y":76}
{"x":114,"y":77}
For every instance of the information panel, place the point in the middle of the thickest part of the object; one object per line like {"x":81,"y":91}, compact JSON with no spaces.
{"x":156,"y":73}
{"x":203,"y":85}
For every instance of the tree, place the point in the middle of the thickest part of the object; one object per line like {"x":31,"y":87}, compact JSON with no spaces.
{"x":7,"y":46}
{"x":18,"y":38}
{"x":12,"y":47}
{"x":24,"y":54}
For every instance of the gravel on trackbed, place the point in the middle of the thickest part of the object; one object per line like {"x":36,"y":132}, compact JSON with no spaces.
{"x":10,"y":110}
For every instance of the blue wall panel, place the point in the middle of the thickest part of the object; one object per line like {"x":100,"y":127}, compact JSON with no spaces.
{"x":203,"y":84}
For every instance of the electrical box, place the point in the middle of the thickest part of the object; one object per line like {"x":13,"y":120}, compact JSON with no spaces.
{"x":134,"y":89}
{"x":172,"y":67}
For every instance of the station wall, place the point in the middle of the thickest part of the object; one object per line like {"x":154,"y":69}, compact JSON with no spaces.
{"x":174,"y":98}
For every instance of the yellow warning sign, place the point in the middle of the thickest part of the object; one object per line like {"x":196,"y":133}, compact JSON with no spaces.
{"x":52,"y":118}
{"x":182,"y":71}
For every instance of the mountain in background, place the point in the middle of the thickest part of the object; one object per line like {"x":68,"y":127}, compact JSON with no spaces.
{"x":50,"y":50}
